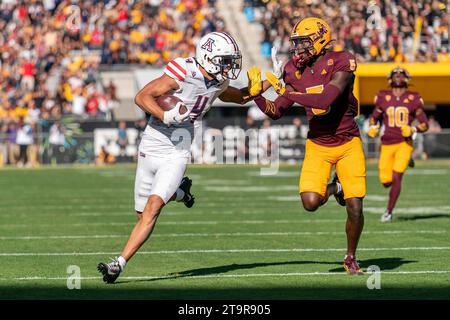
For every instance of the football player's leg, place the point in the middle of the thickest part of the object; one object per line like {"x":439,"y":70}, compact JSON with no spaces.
{"x":145,"y":204}
{"x":351,"y":170}
{"x":316,"y":170}
{"x":402,"y":157}
{"x":394,"y":193}
{"x":385,"y":164}
{"x":145,"y":174}
{"x":353,"y":229}
{"x":166,"y":180}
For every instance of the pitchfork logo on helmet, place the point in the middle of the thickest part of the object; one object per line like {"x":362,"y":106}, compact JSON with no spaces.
{"x":399,"y":78}
{"x":219,"y":54}
{"x":310,"y":37}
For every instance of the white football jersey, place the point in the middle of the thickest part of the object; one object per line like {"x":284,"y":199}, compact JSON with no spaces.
{"x":198,"y":94}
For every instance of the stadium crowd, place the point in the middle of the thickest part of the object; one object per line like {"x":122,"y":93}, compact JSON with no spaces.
{"x":375,"y":31}
{"x":51,"y":52}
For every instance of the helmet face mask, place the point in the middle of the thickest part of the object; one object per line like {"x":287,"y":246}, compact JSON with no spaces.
{"x":230,"y":65}
{"x":219,"y":54}
{"x":399,"y":78}
{"x":302,"y":50}
{"x":309,"y":38}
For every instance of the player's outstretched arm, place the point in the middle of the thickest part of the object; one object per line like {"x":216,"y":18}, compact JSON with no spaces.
{"x":145,"y":98}
{"x":321,"y":100}
{"x":235,"y":95}
{"x":255,"y":88}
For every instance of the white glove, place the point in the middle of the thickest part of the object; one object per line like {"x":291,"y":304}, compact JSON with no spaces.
{"x":173,"y":116}
{"x":277,"y":65}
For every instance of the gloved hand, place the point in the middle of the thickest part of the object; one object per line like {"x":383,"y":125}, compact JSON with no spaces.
{"x":277,"y":65}
{"x":408,"y":131}
{"x":275,"y":83}
{"x":173,"y":116}
{"x":254,"y":81}
{"x":373,"y":131}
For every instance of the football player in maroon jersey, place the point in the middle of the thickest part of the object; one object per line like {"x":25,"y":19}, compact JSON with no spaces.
{"x":396,"y":109}
{"x":322,"y":81}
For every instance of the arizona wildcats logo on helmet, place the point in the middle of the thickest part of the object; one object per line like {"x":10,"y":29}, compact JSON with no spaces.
{"x":208,"y":45}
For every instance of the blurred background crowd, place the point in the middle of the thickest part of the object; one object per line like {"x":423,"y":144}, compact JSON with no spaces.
{"x":376,"y":30}
{"x":52,"y":53}
{"x":51,"y":50}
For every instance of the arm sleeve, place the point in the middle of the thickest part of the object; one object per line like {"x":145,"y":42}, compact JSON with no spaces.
{"x":315,"y":100}
{"x":273,"y":109}
{"x":176,"y":69}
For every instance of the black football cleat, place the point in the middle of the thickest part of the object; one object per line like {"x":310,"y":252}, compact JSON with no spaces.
{"x":411,"y":163}
{"x":110,"y":271}
{"x":339,"y":196}
{"x":188,"y":198}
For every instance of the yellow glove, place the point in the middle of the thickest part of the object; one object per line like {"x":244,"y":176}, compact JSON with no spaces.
{"x":408,"y":131}
{"x":254,"y":81}
{"x":373,"y":131}
{"x":275,"y":83}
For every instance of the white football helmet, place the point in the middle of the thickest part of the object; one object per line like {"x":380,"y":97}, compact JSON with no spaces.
{"x":219,"y":54}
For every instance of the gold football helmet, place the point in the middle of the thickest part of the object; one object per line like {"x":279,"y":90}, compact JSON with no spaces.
{"x":396,"y":81}
{"x":311,"y":35}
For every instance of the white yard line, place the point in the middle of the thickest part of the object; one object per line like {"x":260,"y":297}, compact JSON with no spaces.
{"x":247,"y":275}
{"x":229,"y":234}
{"x":89,"y":224}
{"x":205,"y":251}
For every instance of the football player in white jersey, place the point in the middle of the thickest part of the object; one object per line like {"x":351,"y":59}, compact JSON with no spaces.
{"x":162,"y":160}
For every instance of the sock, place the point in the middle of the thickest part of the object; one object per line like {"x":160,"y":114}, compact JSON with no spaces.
{"x":395,"y":190}
{"x":179,"y":195}
{"x":122,"y":262}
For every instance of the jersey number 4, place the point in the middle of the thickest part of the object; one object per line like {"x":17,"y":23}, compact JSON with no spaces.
{"x":397,"y":116}
{"x":199,"y":106}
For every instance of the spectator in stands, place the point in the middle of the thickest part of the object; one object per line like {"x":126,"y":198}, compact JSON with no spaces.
{"x":122,"y":138}
{"x":12,"y":147}
{"x":56,"y":140}
{"x":434,"y":128}
{"x":24,"y":139}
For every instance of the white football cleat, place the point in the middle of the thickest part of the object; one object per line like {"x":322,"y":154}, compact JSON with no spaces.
{"x":386,"y":217}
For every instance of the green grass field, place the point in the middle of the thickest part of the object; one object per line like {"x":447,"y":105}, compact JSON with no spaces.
{"x":247,"y":237}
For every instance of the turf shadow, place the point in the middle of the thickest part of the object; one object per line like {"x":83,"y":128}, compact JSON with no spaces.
{"x":423,"y":217}
{"x":224,"y":269}
{"x":383,"y":263}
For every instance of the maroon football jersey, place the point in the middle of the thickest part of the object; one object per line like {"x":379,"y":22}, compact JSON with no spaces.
{"x":396,"y":112}
{"x":336,"y":125}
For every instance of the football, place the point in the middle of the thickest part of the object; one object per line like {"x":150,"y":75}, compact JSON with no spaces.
{"x":167,"y":102}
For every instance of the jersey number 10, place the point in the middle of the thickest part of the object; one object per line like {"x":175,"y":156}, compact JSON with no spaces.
{"x":397,"y":116}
